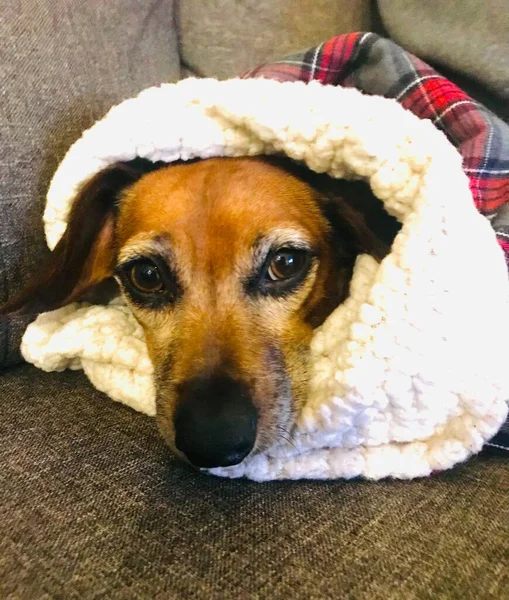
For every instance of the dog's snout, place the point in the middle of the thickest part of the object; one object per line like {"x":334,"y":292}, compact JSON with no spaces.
{"x":215,"y":421}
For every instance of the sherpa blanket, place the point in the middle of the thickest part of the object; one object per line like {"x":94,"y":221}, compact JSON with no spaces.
{"x":408,"y":375}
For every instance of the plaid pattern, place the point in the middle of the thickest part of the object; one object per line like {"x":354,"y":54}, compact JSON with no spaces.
{"x":378,"y":66}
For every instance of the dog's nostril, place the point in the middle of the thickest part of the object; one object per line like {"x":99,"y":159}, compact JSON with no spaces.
{"x":215,"y":421}
{"x":211,"y":459}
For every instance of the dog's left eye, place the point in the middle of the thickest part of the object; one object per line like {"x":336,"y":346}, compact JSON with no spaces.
{"x":149,"y":282}
{"x":145,"y":277}
{"x":287,"y":264}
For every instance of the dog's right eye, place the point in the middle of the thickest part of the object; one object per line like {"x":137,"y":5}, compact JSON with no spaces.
{"x":144,"y":275}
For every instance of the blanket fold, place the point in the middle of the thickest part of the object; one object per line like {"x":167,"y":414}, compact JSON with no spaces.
{"x":408,"y":375}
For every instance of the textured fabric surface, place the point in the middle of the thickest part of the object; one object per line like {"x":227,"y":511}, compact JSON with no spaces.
{"x":92,"y":505}
{"x":62,"y":65}
{"x":469,"y":36}
{"x":378,"y":66}
{"x":220,"y":38}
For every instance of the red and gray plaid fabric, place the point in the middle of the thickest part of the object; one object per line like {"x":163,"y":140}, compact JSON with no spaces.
{"x":378,"y":66}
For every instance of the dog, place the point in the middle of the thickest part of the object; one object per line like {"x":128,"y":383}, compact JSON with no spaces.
{"x":229,"y":265}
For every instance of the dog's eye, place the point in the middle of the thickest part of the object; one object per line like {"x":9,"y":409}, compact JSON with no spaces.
{"x":144,"y":275}
{"x":286,"y":264}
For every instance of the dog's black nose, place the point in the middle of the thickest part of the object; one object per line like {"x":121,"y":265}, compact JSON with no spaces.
{"x":215,"y":421}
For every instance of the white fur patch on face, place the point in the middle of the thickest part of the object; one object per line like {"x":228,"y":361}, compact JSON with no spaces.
{"x":407,"y":374}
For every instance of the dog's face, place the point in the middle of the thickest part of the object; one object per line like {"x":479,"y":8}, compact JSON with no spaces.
{"x":228,"y":265}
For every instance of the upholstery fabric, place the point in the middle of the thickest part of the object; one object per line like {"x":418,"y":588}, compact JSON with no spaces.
{"x":92,"y":505}
{"x":62,"y":65}
{"x":220,"y":38}
{"x":469,"y":36}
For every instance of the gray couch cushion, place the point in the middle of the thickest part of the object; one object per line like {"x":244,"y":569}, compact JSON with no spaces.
{"x":62,"y":65}
{"x":471,"y":37}
{"x":93,"y":505}
{"x":221,"y":38}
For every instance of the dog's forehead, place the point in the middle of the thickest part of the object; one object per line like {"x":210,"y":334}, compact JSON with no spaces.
{"x":236,"y":200}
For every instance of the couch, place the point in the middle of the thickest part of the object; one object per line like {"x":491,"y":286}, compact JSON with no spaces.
{"x":92,"y":503}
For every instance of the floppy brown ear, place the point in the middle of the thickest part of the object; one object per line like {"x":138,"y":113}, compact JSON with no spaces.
{"x":358,"y":219}
{"x":85,"y":255}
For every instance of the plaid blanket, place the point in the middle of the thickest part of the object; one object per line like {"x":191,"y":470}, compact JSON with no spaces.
{"x":378,"y":66}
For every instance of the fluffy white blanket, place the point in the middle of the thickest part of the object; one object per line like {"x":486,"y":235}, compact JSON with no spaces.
{"x":408,"y":374}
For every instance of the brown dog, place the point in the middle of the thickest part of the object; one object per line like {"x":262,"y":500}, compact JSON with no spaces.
{"x":228,"y":265}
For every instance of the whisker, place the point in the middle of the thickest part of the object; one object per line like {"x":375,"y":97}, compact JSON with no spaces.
{"x":285,"y":435}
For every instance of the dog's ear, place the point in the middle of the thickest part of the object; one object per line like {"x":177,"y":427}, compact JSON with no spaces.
{"x":359,"y":222}
{"x":358,"y":219}
{"x":359,"y":225}
{"x":85,"y":255}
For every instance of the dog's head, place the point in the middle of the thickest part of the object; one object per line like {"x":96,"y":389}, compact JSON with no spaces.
{"x":228,"y":265}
